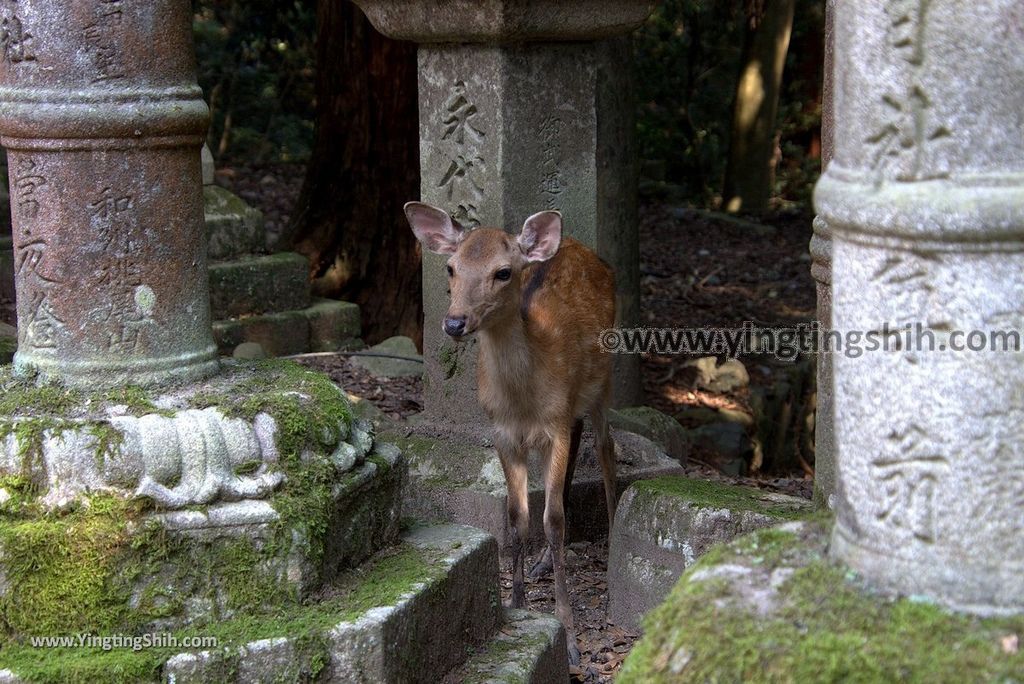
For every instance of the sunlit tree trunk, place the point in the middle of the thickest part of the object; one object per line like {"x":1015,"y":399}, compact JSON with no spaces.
{"x":750,"y":172}
{"x":364,"y":167}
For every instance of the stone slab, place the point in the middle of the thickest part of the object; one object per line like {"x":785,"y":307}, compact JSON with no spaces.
{"x":771,"y":606}
{"x":663,"y":526}
{"x":233,"y":228}
{"x":259,"y":284}
{"x":459,"y":478}
{"x":327,"y":325}
{"x":528,"y":649}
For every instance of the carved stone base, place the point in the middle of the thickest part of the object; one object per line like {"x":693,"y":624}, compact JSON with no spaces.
{"x":120,"y":512}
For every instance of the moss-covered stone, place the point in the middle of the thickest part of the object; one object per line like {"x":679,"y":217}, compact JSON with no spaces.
{"x":708,"y":494}
{"x":380,"y":582}
{"x":771,"y":607}
{"x":109,"y":563}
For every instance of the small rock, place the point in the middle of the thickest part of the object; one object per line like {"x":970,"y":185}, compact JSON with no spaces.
{"x":249,"y":351}
{"x":385,"y":367}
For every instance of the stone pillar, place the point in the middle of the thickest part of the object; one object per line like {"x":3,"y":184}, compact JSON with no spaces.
{"x":925,"y":199}
{"x":523,"y":107}
{"x":103,"y":152}
{"x":821,"y":271}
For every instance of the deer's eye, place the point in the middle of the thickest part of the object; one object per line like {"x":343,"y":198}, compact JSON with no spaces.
{"x":451,"y":271}
{"x":503,"y":274}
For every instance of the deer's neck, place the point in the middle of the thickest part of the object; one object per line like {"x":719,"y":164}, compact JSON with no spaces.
{"x":506,"y":356}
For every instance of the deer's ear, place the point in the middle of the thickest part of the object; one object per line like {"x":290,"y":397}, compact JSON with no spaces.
{"x":434,"y":228}
{"x":541,"y":236}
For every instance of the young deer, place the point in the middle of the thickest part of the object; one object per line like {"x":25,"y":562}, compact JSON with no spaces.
{"x":538,"y":302}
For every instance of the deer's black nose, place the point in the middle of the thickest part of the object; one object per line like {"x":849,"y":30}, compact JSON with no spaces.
{"x":455,"y":325}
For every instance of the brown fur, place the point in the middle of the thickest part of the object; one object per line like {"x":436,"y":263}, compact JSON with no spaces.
{"x":540,"y":370}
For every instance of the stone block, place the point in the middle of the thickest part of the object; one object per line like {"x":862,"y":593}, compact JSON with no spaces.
{"x":327,"y":325}
{"x":333,"y":325}
{"x":233,"y":228}
{"x":662,"y":526}
{"x":385,"y":367}
{"x":663,"y":430}
{"x":770,"y":606}
{"x":459,"y":478}
{"x":259,"y":284}
{"x":529,"y":649}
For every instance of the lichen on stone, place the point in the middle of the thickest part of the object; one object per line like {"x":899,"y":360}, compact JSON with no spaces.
{"x":772,"y":607}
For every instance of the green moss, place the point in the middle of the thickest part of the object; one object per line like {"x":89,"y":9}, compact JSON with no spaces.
{"x":73,"y":571}
{"x":449,"y":358}
{"x":716,"y":495}
{"x":68,"y":570}
{"x":379,"y":582}
{"x":8,"y":345}
{"x":826,"y":626}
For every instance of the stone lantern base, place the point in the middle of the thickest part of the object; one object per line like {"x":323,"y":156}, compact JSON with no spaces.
{"x":122,"y":511}
{"x":771,"y":606}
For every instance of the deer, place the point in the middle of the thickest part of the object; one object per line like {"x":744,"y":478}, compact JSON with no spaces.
{"x":537,"y":302}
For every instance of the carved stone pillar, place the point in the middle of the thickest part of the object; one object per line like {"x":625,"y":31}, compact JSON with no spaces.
{"x":821,"y":271}
{"x":925,"y":199}
{"x":523,"y":107}
{"x":103,"y":152}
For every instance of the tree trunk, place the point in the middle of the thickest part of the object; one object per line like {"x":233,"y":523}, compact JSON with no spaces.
{"x":750,"y":173}
{"x":365,"y":165}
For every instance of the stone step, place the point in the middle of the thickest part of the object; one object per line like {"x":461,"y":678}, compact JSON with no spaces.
{"x":409,"y":615}
{"x":259,"y":284}
{"x":529,"y":648}
{"x":456,"y":478}
{"x":327,"y":325}
{"x":663,"y":526}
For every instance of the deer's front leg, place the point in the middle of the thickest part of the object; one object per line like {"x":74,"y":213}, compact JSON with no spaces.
{"x":554,"y":529}
{"x":513,"y":463}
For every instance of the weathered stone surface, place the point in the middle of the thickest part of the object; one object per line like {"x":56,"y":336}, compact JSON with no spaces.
{"x":458,"y":477}
{"x":173,"y":447}
{"x":663,"y":430}
{"x":494,"y":21}
{"x":209,"y":168}
{"x":327,"y":325}
{"x":259,"y":284}
{"x":388,"y":367}
{"x":103,"y":120}
{"x":821,"y":271}
{"x":925,"y":199}
{"x":662,"y":526}
{"x":333,"y":325}
{"x":409,"y":614}
{"x":509,"y":131}
{"x":770,"y":606}
{"x":528,"y":649}
{"x":233,"y":228}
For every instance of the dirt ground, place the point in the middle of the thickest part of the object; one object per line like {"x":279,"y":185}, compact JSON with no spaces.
{"x":697,"y":269}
